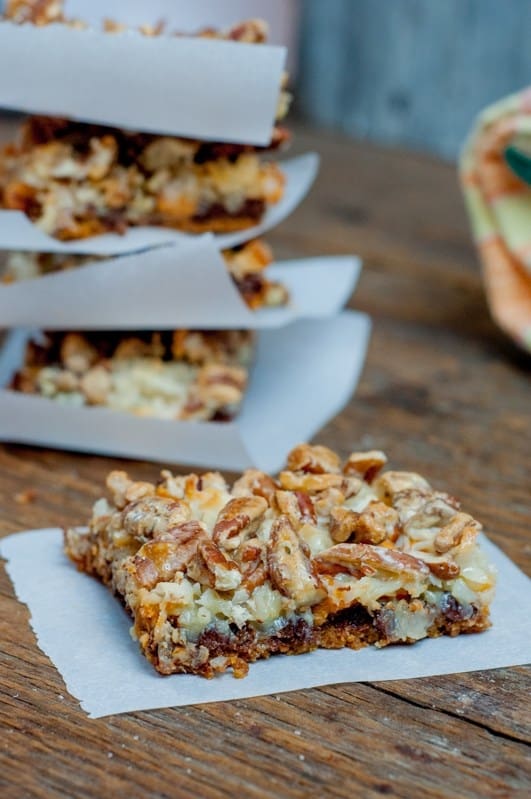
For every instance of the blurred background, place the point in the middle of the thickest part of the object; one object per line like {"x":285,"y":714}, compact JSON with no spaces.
{"x":408,"y":73}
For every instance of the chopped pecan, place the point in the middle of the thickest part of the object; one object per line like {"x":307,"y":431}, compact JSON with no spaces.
{"x":325,"y":501}
{"x":342,"y":524}
{"x":138,"y":490}
{"x":224,"y":572}
{"x":435,"y":512}
{"x":118,"y":483}
{"x":316,"y":460}
{"x":96,"y":384}
{"x":351,"y":486}
{"x":389,"y":484}
{"x":297,"y":506}
{"x":364,"y":559}
{"x":152,"y":517}
{"x":365,"y":464}
{"x":446,"y":570}
{"x":255,"y":483}
{"x":290,"y":567}
{"x":239,"y":519}
{"x":159,"y":561}
{"x":411,"y":500}
{"x":77,"y":354}
{"x":459,"y":529}
{"x":376,"y":523}
{"x":308,"y":482}
{"x":254,"y":570}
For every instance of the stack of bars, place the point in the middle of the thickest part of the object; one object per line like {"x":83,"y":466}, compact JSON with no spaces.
{"x":87,"y":189}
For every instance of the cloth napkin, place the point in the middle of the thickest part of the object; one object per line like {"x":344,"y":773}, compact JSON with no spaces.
{"x":499,"y":205}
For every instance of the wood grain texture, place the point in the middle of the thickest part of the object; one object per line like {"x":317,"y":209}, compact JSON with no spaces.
{"x":411,"y":72}
{"x":443,"y":393}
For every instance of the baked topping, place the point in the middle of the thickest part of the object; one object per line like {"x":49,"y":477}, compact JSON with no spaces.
{"x":182,"y":374}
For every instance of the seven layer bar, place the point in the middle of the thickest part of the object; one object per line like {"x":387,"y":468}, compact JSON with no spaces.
{"x":326,"y":555}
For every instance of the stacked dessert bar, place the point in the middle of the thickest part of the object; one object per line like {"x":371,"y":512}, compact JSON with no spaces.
{"x":76,"y":180}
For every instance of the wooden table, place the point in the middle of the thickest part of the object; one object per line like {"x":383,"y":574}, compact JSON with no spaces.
{"x":443,"y":393}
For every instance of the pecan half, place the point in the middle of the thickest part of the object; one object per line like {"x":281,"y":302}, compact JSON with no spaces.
{"x":389,"y":484}
{"x":364,"y":559}
{"x":255,"y":483}
{"x":239,"y":519}
{"x":410,"y":501}
{"x":308,"y":482}
{"x":159,"y":561}
{"x":297,"y":506}
{"x":224,"y":572}
{"x":290,"y":567}
{"x":446,"y":570}
{"x":459,"y":529}
{"x":365,"y":464}
{"x":316,"y":460}
{"x":152,"y":517}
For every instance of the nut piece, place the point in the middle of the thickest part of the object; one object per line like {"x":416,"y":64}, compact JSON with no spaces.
{"x":251,"y":558}
{"x":365,"y":464}
{"x":118,"y":483}
{"x":153,"y":517}
{"x":239,"y":519}
{"x":316,"y":460}
{"x":391,"y":483}
{"x":290,"y":568}
{"x":435,"y":512}
{"x":460,"y":529}
{"x":411,"y":500}
{"x":297,"y":506}
{"x":363,"y":559}
{"x":342,"y":524}
{"x":447,"y":570}
{"x":77,"y":355}
{"x":375,"y":524}
{"x":226,"y":575}
{"x":159,"y":561}
{"x":255,"y":483}
{"x":309,"y":483}
{"x":325,"y":501}
{"x":95,"y":385}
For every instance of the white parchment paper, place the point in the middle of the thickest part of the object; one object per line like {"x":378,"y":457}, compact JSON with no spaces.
{"x":200,"y":88}
{"x":18,"y":233}
{"x":84,"y":631}
{"x":303,"y":375}
{"x":186,"y":285}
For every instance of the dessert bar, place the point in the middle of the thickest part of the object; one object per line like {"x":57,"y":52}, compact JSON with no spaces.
{"x":328,"y":554}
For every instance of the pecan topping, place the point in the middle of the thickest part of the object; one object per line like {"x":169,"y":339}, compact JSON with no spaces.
{"x":302,"y":481}
{"x":255,"y":483}
{"x":290,"y":568}
{"x":253,"y":568}
{"x":152,"y":517}
{"x":118,"y":483}
{"x":316,"y":460}
{"x":365,"y":464}
{"x":342,"y":524}
{"x":297,"y":506}
{"x":460,"y":529}
{"x":224,"y":572}
{"x":447,"y":570}
{"x":364,"y":559}
{"x":159,"y":561}
{"x":239,"y":519}
{"x":389,"y":484}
